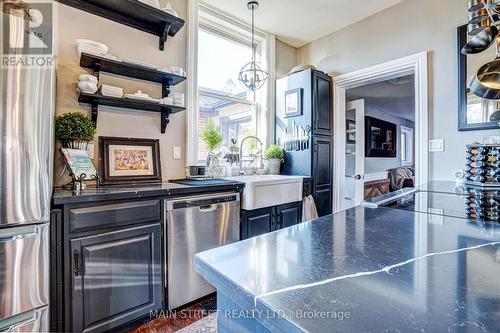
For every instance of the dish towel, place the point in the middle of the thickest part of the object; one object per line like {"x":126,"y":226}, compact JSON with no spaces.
{"x":309,"y":211}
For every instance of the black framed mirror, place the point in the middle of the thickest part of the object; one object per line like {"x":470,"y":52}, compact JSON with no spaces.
{"x":473,"y":112}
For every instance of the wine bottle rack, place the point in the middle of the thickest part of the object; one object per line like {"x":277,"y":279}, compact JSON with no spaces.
{"x":483,"y":206}
{"x":482,"y":167}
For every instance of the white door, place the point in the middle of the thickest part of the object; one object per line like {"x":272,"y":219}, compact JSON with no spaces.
{"x":354,"y":154}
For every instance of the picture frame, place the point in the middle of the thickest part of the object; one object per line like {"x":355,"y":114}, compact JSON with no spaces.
{"x":79,"y":164}
{"x":293,"y":103}
{"x":129,"y":160}
{"x":380,"y":138}
{"x":350,"y":134}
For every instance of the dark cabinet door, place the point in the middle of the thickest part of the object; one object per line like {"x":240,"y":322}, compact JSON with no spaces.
{"x":288,"y":215}
{"x":322,"y":166}
{"x":322,"y":104}
{"x":116,"y":278}
{"x":323,"y":175}
{"x":323,"y":199}
{"x":257,"y":222}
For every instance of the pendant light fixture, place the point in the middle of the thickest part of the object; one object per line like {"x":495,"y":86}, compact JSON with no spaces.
{"x":252,"y":75}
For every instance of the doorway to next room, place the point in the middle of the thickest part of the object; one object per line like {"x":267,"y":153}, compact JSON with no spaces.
{"x":380,"y":139}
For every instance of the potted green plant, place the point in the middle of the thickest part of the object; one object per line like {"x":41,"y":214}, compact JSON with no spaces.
{"x":74,"y":130}
{"x":213,"y":138}
{"x":274,"y":156}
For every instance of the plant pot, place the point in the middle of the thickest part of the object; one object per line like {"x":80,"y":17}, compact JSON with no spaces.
{"x":273,"y":166}
{"x":75,"y":144}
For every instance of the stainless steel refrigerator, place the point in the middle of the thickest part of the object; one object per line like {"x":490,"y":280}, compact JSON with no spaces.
{"x":26,"y":146}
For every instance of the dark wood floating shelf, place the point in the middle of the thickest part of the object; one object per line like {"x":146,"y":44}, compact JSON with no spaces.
{"x":133,"y":13}
{"x":101,"y":64}
{"x":95,"y":100}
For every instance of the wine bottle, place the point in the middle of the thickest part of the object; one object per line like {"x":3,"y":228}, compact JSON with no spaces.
{"x":477,"y":171}
{"x":478,"y":178}
{"x":477,"y":150}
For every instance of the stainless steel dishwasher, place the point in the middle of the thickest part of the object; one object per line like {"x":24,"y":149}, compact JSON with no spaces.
{"x":195,"y":224}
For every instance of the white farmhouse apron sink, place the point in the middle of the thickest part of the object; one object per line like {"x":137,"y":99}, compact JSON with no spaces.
{"x":269,"y":190}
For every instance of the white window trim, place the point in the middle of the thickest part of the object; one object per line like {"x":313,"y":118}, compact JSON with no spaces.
{"x":214,"y":20}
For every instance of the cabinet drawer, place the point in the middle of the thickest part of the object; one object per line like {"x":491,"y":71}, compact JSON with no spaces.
{"x":108,"y":216}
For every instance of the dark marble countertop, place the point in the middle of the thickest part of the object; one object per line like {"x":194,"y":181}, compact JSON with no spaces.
{"x":101,"y":193}
{"x":365,"y":270}
{"x":441,"y":198}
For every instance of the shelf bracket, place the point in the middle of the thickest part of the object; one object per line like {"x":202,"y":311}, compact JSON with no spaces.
{"x":164,"y":35}
{"x":165,"y":87}
{"x":94,"y":107}
{"x":97,"y":69}
{"x":164,"y":120}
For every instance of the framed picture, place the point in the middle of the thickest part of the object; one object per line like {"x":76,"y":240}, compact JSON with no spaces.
{"x":350,"y":126}
{"x":127,"y":160}
{"x":380,"y":138}
{"x":79,"y":164}
{"x":293,"y":103}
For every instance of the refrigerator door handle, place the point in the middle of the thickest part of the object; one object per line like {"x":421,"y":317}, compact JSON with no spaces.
{"x":18,"y":237}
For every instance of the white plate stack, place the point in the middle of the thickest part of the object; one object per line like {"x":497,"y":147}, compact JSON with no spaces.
{"x":178,"y":99}
{"x":111,"y":91}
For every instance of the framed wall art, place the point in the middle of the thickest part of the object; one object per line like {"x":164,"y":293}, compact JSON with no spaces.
{"x":380,"y":138}
{"x":128,"y":160}
{"x":293,"y":103}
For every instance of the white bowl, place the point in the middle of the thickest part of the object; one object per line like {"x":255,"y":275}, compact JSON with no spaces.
{"x":100,"y":46}
{"x":87,"y":77}
{"x":86,"y":86}
{"x":168,"y":9}
{"x":152,"y":3}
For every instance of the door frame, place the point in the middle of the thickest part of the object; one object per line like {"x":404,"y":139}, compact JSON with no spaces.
{"x":416,"y":64}
{"x":359,"y":106}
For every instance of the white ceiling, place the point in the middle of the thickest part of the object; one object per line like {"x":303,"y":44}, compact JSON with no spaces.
{"x":298,"y":22}
{"x":395,"y":97}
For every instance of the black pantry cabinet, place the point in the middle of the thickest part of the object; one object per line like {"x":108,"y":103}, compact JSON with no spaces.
{"x":264,"y":220}
{"x":307,"y":134}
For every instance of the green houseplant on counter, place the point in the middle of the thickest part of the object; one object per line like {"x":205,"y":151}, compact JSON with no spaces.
{"x":274,"y":156}
{"x":74,"y":130}
{"x":213,"y":138}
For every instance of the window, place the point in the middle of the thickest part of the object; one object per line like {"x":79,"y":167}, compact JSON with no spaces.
{"x":406,"y":145}
{"x":221,"y":97}
{"x":219,"y":46}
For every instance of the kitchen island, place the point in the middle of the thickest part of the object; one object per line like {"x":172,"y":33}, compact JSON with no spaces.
{"x":360,"y":270}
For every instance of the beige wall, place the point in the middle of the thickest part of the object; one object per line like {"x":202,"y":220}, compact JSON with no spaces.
{"x":131,"y":43}
{"x":286,"y":58}
{"x":122,"y":42}
{"x":408,"y":28}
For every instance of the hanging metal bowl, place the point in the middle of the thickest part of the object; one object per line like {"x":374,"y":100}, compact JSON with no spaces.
{"x":475,"y":28}
{"x":476,"y":4}
{"x":481,"y":41}
{"x":478,"y":16}
{"x":486,"y":84}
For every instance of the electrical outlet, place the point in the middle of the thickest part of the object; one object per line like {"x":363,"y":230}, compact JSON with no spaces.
{"x":436,"y":145}
{"x":177,"y":153}
{"x":91,"y":150}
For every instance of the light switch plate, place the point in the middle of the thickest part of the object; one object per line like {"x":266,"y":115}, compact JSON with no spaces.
{"x":436,"y":145}
{"x":177,"y":153}
{"x":91,"y":150}
{"x":436,"y":215}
